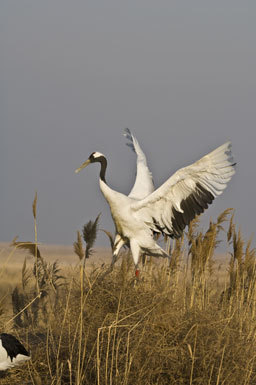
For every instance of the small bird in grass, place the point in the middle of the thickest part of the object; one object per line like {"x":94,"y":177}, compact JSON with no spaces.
{"x":169,"y":208}
{"x":12,"y":352}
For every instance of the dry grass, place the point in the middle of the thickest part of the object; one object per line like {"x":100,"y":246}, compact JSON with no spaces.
{"x":190,"y":323}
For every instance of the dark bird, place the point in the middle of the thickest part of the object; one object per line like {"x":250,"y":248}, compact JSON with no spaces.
{"x":12,"y":352}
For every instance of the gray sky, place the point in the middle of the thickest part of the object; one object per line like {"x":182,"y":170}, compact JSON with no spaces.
{"x":74,"y":74}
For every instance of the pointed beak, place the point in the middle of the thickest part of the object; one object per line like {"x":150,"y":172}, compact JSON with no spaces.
{"x":83,"y":165}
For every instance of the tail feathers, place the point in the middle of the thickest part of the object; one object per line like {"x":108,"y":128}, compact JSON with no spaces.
{"x":156,"y":251}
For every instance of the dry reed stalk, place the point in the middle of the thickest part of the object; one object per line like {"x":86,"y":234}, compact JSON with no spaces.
{"x":34,"y":208}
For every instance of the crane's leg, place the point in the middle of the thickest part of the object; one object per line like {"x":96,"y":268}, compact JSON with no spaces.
{"x":118,"y":244}
{"x":144,"y":258}
{"x":136,"y":251}
{"x":166,"y":255}
{"x":157,"y":251}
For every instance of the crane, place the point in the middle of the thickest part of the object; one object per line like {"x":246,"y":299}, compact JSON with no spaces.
{"x":169,"y":208}
{"x":12,"y":352}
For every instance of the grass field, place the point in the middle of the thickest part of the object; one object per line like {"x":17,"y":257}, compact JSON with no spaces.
{"x":192,"y":322}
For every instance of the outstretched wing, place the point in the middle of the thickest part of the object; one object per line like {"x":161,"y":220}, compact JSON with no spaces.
{"x":143,"y":185}
{"x":187,"y":193}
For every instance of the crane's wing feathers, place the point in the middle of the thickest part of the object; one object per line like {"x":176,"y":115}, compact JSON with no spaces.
{"x":128,"y":135}
{"x":187,"y":193}
{"x":143,"y":185}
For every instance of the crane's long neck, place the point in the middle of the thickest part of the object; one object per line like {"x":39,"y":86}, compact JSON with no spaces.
{"x":103,"y":166}
{"x":109,"y":193}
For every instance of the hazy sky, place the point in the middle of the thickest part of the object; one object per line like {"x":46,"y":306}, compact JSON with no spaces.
{"x":74,"y":74}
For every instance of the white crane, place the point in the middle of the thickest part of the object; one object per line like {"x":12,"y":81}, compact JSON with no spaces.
{"x":12,"y":352}
{"x":170,"y":207}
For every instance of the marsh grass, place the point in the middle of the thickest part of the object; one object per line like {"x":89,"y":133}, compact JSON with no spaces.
{"x":179,"y":324}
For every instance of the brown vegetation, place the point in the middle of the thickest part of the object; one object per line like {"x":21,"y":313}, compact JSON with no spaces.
{"x":178,"y":324}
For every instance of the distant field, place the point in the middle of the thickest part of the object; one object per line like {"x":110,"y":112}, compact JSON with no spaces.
{"x":64,"y":254}
{"x":11,"y":260}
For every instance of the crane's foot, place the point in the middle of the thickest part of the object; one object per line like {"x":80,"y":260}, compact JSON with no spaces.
{"x":137,"y":273}
{"x":137,"y":280}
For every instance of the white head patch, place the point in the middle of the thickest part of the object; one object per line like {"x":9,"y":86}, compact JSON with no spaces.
{"x":97,"y":154}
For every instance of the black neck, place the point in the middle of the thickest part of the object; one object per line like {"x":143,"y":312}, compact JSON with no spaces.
{"x":103,"y":164}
